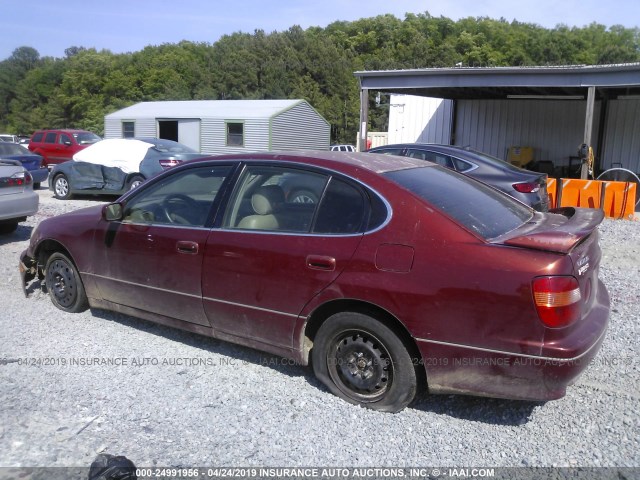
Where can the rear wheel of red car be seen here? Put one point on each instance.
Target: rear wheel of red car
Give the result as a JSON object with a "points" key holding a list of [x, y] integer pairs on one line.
{"points": [[364, 362], [61, 188], [64, 284]]}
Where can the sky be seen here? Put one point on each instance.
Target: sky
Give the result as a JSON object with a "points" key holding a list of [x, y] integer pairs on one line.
{"points": [[129, 25]]}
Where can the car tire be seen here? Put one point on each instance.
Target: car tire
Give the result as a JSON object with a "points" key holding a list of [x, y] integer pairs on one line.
{"points": [[64, 284], [61, 187], [135, 181], [364, 362], [8, 227], [303, 196]]}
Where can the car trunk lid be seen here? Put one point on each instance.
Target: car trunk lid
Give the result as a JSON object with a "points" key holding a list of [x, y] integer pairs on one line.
{"points": [[559, 231], [569, 231]]}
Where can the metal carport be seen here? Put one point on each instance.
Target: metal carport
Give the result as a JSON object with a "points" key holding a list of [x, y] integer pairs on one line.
{"points": [[589, 84]]}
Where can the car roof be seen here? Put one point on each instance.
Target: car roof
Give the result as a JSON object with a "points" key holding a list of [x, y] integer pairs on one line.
{"points": [[346, 162], [64, 130]]}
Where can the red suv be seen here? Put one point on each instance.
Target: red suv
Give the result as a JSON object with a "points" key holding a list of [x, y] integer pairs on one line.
{"points": [[57, 146]]}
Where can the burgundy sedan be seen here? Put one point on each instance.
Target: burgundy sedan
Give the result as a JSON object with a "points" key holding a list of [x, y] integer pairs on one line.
{"points": [[399, 274]]}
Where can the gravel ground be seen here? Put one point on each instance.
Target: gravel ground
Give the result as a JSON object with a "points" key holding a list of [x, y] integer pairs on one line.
{"points": [[245, 408]]}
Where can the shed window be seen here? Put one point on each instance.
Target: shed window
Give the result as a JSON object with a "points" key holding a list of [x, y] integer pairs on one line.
{"points": [[128, 129], [235, 134]]}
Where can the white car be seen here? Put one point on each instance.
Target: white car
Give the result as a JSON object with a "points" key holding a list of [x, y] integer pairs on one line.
{"points": [[343, 148], [17, 198], [5, 137]]}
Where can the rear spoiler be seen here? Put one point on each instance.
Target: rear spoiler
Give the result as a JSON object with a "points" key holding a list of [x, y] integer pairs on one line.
{"points": [[559, 231]]}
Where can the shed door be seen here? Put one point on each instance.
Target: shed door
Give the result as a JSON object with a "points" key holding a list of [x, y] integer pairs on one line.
{"points": [[189, 133]]}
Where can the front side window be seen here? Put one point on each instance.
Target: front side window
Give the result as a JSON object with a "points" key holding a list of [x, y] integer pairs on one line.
{"points": [[183, 199], [235, 134], [64, 139]]}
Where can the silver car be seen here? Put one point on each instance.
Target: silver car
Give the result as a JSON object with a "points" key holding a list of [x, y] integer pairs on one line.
{"points": [[17, 198]]}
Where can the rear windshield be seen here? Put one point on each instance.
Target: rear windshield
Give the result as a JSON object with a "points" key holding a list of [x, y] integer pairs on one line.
{"points": [[480, 208], [13, 149], [171, 147]]}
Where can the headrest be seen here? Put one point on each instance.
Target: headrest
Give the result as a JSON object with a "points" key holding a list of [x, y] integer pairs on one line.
{"points": [[266, 199]]}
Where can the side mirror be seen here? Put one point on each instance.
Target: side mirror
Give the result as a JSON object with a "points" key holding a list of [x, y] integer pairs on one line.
{"points": [[112, 212]]}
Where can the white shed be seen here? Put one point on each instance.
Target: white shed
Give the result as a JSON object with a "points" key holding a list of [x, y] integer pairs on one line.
{"points": [[225, 126]]}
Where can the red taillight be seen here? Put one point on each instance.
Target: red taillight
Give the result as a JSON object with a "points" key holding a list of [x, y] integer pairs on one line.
{"points": [[17, 180], [166, 164], [557, 300], [526, 187]]}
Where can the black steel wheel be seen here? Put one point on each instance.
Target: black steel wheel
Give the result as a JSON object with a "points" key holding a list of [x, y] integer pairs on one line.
{"points": [[65, 285], [364, 362]]}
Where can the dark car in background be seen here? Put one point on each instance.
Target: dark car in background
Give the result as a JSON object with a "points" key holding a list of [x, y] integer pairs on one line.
{"points": [[387, 283], [114, 166], [31, 161], [58, 146], [524, 185]]}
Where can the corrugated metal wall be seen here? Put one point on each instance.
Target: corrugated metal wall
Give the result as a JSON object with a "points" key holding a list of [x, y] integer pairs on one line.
{"points": [[554, 128], [112, 128], [622, 135], [300, 128], [144, 127], [213, 136], [419, 119]]}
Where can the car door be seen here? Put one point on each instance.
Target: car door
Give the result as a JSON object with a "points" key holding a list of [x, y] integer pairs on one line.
{"points": [[152, 259], [271, 254]]}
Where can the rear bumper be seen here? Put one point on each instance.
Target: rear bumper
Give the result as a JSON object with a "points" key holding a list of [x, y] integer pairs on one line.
{"points": [[40, 175], [464, 369], [19, 205]]}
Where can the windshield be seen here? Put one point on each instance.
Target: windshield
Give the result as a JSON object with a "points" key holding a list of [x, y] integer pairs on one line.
{"points": [[86, 138], [480, 208]]}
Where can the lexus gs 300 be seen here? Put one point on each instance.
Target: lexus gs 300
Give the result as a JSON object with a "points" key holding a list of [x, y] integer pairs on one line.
{"points": [[400, 274]]}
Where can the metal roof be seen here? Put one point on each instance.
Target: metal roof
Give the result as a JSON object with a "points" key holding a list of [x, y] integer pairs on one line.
{"points": [[611, 81], [222, 109]]}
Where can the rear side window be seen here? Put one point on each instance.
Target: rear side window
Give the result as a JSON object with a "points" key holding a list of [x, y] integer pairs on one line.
{"points": [[38, 137], [478, 207], [341, 210], [50, 137], [461, 165]]}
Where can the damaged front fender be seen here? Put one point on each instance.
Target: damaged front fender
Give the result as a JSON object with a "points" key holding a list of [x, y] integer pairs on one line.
{"points": [[28, 271]]}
